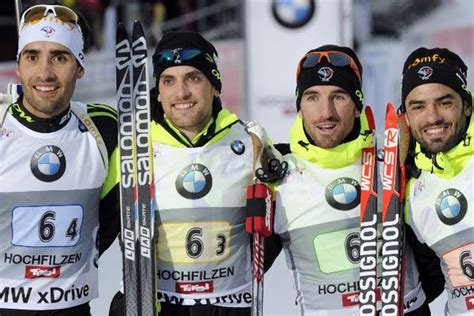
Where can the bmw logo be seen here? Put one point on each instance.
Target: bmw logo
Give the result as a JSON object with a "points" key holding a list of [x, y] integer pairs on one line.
{"points": [[343, 194], [451, 206], [293, 13], [194, 181], [48, 163], [237, 147]]}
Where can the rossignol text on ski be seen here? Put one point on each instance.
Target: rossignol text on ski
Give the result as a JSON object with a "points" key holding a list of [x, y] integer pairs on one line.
{"points": [[368, 224], [392, 219]]}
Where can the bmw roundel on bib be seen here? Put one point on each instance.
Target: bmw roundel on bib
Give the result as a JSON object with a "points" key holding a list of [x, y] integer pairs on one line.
{"points": [[194, 181], [48, 163], [343, 194], [451, 206]]}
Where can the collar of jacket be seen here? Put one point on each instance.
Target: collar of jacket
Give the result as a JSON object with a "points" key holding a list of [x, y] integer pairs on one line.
{"points": [[35, 123], [182, 136], [340, 156], [224, 120], [450, 163]]}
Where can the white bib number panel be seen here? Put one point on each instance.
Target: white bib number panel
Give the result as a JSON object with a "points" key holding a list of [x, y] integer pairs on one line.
{"points": [[47, 225]]}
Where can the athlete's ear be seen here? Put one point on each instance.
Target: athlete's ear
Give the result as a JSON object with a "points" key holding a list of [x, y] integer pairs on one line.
{"points": [[406, 119], [467, 109], [17, 70], [215, 92], [80, 72], [356, 113], [159, 98]]}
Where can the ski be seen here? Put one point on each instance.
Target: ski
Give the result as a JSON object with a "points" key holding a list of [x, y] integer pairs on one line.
{"points": [[126, 143], [144, 186], [136, 172], [392, 219], [368, 224]]}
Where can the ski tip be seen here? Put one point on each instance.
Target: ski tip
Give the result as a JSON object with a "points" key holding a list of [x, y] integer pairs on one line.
{"points": [[369, 114], [121, 31], [390, 107], [137, 25]]}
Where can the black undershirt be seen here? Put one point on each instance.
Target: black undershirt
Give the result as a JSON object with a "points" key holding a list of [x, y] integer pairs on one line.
{"points": [[38, 124]]}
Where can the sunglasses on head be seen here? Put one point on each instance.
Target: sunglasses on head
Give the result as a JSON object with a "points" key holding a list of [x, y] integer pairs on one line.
{"points": [[335, 58], [168, 57], [35, 13]]}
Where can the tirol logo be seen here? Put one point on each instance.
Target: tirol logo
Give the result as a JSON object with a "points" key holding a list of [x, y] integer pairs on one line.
{"points": [[425, 72], [48, 31], [194, 287], [33, 272], [293, 13], [237, 147], [48, 163], [343, 194], [194, 181], [350, 299], [470, 302], [451, 206], [325, 73]]}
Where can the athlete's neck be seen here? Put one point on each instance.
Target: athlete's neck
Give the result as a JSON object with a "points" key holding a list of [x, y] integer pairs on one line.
{"points": [[38, 124]]}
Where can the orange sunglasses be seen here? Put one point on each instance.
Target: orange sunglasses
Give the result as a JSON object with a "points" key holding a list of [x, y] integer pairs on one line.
{"points": [[335, 58]]}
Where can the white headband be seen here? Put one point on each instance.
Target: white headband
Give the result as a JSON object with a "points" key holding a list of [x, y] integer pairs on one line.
{"points": [[52, 29]]}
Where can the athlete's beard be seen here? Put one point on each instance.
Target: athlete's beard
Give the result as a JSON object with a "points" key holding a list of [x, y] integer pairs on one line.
{"points": [[452, 141]]}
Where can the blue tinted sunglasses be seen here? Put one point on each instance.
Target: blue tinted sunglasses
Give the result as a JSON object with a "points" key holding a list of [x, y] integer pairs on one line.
{"points": [[168, 57]]}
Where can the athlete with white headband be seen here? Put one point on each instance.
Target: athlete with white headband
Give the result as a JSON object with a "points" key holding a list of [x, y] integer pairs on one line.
{"points": [[44, 23], [59, 207]]}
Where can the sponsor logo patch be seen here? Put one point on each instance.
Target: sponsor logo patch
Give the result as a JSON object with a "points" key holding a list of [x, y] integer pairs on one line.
{"points": [[470, 302], [194, 181], [451, 206], [343, 194], [48, 31], [33, 272], [325, 73], [48, 163], [238, 147], [350, 299], [195, 287]]}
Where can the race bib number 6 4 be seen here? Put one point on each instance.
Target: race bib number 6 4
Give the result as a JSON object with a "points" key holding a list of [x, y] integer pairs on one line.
{"points": [[47, 225]]}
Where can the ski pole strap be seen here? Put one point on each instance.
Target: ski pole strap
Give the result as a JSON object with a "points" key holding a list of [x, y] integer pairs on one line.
{"points": [[85, 119], [259, 210]]}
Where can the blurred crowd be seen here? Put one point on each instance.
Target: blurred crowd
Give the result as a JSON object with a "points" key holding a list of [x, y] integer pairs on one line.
{"points": [[152, 13]]}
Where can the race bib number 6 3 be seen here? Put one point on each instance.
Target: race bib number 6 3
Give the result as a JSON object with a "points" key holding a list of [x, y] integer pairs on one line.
{"points": [[194, 242]]}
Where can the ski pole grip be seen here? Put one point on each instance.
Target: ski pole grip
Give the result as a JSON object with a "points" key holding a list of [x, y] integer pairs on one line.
{"points": [[259, 210]]}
